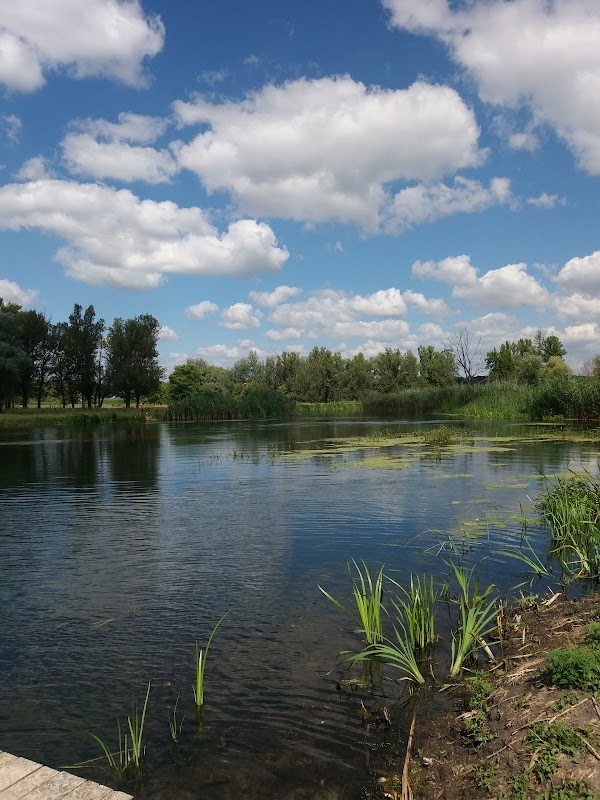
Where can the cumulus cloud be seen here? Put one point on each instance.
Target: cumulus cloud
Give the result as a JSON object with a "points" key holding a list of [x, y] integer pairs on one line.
{"points": [[510, 286], [533, 53], [34, 169], [113, 237], [11, 292], [526, 140], [426, 202], [274, 298], [577, 305], [324, 149], [240, 316], [545, 200], [581, 274], [167, 334], [285, 333], [588, 333], [223, 355], [433, 306], [200, 310], [118, 150], [110, 38]]}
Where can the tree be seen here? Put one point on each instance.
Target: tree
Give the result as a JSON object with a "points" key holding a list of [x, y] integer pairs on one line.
{"points": [[319, 376], [83, 339], [35, 341], [555, 367], [394, 370], [466, 349], [132, 357], [356, 379], [13, 358], [194, 377], [437, 367]]}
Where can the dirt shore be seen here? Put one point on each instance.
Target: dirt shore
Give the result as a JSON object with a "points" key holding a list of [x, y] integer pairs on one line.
{"points": [[493, 743]]}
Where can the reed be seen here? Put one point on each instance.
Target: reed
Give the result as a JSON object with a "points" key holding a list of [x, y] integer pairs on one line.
{"points": [[201, 657], [368, 599], [397, 653], [130, 744], [476, 620], [175, 724], [416, 610]]}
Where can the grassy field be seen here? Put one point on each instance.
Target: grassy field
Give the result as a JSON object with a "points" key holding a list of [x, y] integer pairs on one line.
{"points": [[40, 417]]}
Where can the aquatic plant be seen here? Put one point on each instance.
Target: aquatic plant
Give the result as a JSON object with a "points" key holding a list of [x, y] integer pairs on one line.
{"points": [[398, 653], [368, 596], [175, 724], [476, 620], [130, 744], [439, 436], [416, 610], [201, 656], [571, 507], [531, 559]]}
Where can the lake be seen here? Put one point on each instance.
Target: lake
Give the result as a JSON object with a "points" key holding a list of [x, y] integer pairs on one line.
{"points": [[120, 547]]}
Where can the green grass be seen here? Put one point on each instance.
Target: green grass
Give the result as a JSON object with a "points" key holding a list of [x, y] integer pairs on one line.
{"points": [[35, 418], [200, 663], [415, 610], [476, 620], [336, 407], [130, 749], [575, 668], [209, 405], [367, 592]]}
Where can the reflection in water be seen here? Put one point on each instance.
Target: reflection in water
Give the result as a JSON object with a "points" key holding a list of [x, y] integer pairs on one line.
{"points": [[119, 548]]}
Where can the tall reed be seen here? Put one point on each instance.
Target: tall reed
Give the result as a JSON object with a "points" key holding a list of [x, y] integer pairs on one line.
{"points": [[368, 599], [201, 657], [416, 610], [476, 618]]}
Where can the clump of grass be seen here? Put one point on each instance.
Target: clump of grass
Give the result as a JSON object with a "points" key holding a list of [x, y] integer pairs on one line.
{"points": [[201, 657], [548, 740], [439, 436], [416, 609], [571, 506], [397, 653], [368, 599], [571, 789], [592, 635], [127, 756], [575, 668], [476, 621]]}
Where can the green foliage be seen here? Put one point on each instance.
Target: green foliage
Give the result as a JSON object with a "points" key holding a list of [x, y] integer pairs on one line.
{"points": [[484, 775], [132, 357], [569, 790], [576, 668], [476, 730], [201, 657], [519, 787], [368, 595], [416, 611], [592, 635], [476, 621], [397, 653], [214, 404], [479, 687], [548, 740], [127, 756], [439, 436]]}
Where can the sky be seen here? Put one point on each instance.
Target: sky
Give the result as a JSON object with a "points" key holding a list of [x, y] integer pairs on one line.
{"points": [[277, 175]]}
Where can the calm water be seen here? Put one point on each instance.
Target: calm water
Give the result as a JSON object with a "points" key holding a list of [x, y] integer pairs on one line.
{"points": [[120, 548]]}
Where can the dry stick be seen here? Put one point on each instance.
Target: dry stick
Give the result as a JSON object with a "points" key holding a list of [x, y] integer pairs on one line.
{"points": [[502, 749], [550, 719], [589, 747], [596, 706], [552, 599], [406, 790]]}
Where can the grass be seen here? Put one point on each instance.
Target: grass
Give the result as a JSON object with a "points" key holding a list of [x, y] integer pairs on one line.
{"points": [[416, 610], [35, 417], [397, 653], [336, 407], [439, 436], [368, 599], [575, 668], [201, 657], [130, 745], [547, 741], [477, 619], [571, 507], [175, 724], [214, 404]]}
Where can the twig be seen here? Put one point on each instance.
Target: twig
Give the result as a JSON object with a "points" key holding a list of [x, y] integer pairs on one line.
{"points": [[549, 719], [552, 599], [502, 749], [566, 711], [406, 790], [593, 699], [589, 747]]}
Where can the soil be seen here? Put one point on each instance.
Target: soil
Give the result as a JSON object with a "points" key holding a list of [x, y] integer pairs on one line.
{"points": [[446, 764]]}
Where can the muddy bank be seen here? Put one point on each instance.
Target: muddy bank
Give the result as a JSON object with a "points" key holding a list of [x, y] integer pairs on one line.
{"points": [[507, 733]]}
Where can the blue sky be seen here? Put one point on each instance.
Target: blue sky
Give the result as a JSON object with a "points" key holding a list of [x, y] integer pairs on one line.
{"points": [[278, 175]]}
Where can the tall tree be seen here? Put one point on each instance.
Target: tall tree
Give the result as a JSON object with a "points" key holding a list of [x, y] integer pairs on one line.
{"points": [[83, 340], [466, 348], [132, 357], [35, 339], [437, 367], [13, 358]]}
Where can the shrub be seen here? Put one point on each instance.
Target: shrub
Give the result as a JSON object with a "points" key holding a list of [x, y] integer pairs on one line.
{"points": [[577, 668]]}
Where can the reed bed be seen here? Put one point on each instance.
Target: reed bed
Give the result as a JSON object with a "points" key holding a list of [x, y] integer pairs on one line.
{"points": [[213, 405]]}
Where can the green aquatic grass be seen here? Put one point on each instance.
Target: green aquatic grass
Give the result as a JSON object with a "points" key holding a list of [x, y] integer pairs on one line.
{"points": [[367, 591], [128, 754], [415, 610], [476, 620], [397, 653], [200, 663], [175, 724]]}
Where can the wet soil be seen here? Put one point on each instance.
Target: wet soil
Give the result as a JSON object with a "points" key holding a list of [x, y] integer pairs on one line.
{"points": [[447, 764]]}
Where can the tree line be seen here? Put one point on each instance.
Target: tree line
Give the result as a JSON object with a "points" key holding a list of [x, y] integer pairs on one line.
{"points": [[325, 376], [78, 361]]}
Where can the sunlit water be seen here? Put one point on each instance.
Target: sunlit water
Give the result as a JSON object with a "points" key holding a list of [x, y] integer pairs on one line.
{"points": [[119, 548]]}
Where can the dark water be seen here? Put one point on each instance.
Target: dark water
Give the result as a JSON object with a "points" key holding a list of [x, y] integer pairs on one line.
{"points": [[120, 548]]}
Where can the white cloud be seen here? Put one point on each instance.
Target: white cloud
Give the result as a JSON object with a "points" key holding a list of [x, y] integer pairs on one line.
{"points": [[578, 305], [274, 298], [426, 202], [588, 333], [286, 333], [167, 334], [545, 200], [252, 61], [510, 286], [338, 247], [264, 149], [113, 237], [581, 274], [34, 169], [240, 316], [525, 140], [200, 310], [84, 155], [223, 355], [434, 306], [11, 292], [12, 127], [111, 38], [103, 149], [213, 76], [543, 55]]}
